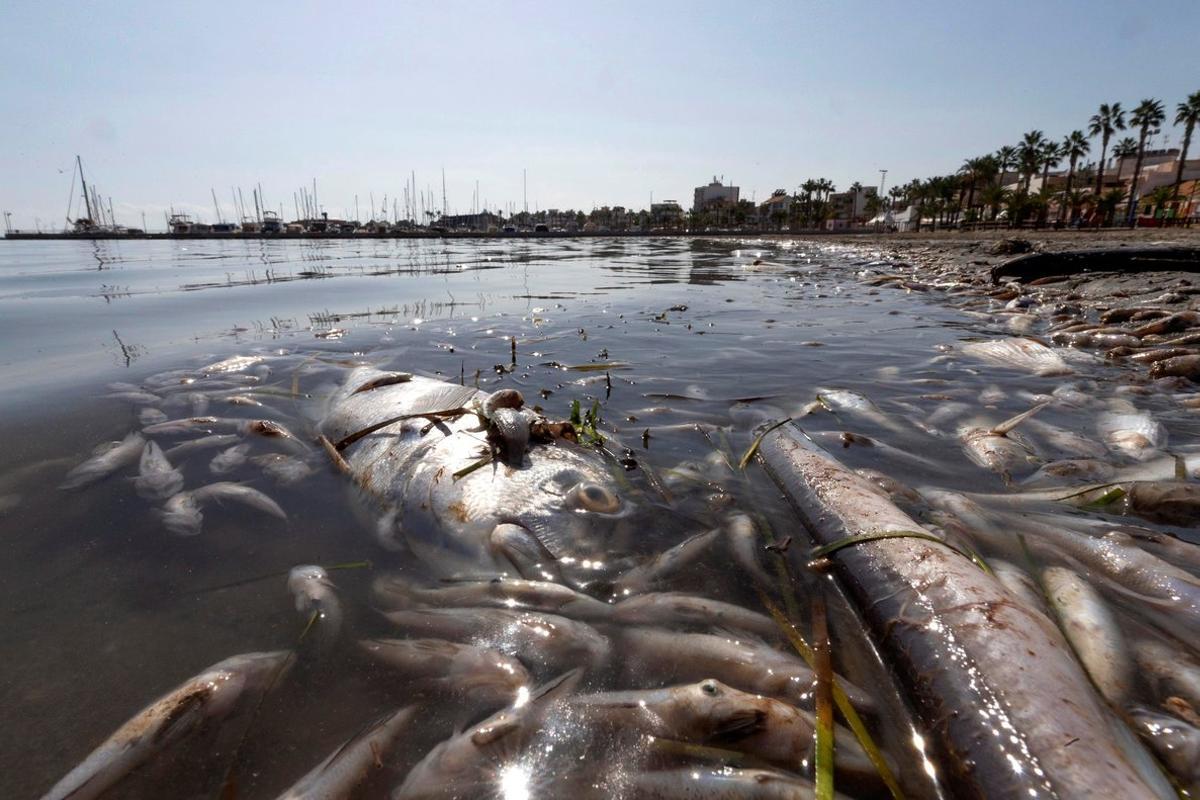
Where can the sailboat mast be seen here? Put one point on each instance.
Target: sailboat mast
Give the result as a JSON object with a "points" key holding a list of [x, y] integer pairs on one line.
{"points": [[86, 198]]}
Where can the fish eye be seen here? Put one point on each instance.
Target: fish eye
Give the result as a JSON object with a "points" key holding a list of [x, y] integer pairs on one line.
{"points": [[592, 497], [709, 687]]}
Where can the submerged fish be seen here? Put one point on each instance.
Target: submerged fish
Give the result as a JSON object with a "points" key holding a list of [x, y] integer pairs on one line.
{"points": [[394, 592], [1019, 353], [709, 712], [181, 513], [1093, 632], [349, 765], [106, 459], [714, 783], [316, 598], [208, 697], [470, 763], [157, 479], [480, 673], [424, 460]]}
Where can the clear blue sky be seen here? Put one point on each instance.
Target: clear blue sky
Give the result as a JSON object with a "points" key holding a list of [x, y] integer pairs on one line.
{"points": [[604, 103]]}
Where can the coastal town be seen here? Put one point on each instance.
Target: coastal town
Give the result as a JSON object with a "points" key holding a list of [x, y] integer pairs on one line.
{"points": [[1084, 180]]}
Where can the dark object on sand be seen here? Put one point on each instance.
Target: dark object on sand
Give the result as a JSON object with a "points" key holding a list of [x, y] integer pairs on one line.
{"points": [[1125, 259], [1011, 247]]}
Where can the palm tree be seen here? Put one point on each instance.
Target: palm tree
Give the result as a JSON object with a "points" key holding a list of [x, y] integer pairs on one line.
{"points": [[856, 190], [1107, 121], [1122, 150], [993, 197], [1051, 155], [1107, 204], [1075, 147], [1029, 154], [1005, 157], [1160, 197], [1186, 114], [1147, 118]]}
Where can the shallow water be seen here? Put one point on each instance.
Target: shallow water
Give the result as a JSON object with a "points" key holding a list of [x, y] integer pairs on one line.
{"points": [[104, 611]]}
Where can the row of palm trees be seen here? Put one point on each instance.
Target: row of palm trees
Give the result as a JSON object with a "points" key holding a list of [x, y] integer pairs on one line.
{"points": [[982, 179]]}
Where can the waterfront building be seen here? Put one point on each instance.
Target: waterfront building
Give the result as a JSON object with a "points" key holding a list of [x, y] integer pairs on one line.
{"points": [[715, 194], [775, 209], [668, 212]]}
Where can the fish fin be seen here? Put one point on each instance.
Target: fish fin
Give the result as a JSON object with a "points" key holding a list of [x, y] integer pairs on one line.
{"points": [[741, 723], [1004, 427]]}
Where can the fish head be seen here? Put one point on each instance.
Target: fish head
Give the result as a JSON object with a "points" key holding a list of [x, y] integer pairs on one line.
{"points": [[716, 712]]}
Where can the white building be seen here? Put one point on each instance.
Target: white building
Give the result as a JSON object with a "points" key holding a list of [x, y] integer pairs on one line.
{"points": [[714, 194]]}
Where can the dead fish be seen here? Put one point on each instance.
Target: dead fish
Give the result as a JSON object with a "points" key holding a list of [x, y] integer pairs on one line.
{"points": [[1018, 353], [151, 416], [207, 698], [1093, 632], [1063, 442], [1175, 742], [671, 609], [1169, 671], [845, 401], [136, 397], [1019, 583], [717, 783], [182, 516], [465, 764], [995, 449], [546, 640], [709, 712], [1181, 366], [1175, 502], [337, 776], [197, 424], [665, 564], [745, 663], [484, 675], [1161, 354], [1136, 434], [1056, 473], [106, 459], [396, 592], [316, 599], [285, 470], [203, 443], [231, 364], [229, 459], [745, 545], [157, 479]]}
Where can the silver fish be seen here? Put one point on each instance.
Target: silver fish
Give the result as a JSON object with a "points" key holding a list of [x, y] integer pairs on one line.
{"points": [[558, 503], [106, 459], [1092, 631], [712, 783], [229, 459], [336, 777], [547, 641], [395, 592], [665, 564], [203, 443], [1135, 434], [484, 675], [472, 763], [1019, 353], [208, 697], [746, 663], [709, 712], [157, 479], [285, 470], [1176, 743], [1169, 671], [182, 515], [670, 609], [316, 598]]}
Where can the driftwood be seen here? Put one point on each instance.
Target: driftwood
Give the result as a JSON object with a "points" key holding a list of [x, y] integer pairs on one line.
{"points": [[1121, 259]]}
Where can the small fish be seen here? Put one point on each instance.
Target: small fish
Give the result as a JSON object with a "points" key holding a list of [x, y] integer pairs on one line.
{"points": [[1168, 670], [192, 425], [106, 459], [151, 416], [1093, 632], [709, 712], [337, 776], [745, 545], [137, 397], [1136, 434], [670, 609], [205, 699], [460, 766], [203, 443], [484, 675], [232, 364], [316, 599], [548, 641], [665, 564], [395, 592], [1019, 353], [182, 516], [157, 479], [718, 783], [1175, 742], [745, 663], [228, 460], [285, 470]]}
